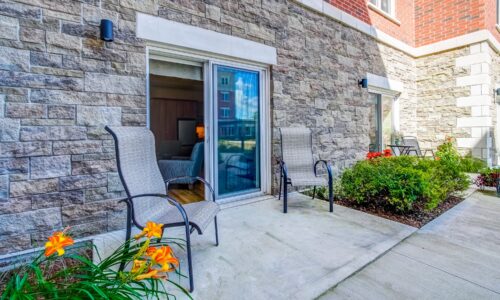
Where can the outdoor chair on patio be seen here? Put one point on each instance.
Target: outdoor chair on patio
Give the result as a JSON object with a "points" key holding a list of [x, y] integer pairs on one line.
{"points": [[415, 147], [146, 191], [297, 166], [187, 168]]}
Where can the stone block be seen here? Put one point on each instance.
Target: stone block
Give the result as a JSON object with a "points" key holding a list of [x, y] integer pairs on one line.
{"points": [[14, 165], [63, 43], [25, 110], [8, 28], [67, 97], [98, 116], [9, 130], [115, 84], [19, 10], [147, 6], [213, 12], [32, 187], [22, 79], [11, 205], [14, 59], [24, 149], [114, 183], [83, 182], [77, 147], [31, 221], [4, 187], [53, 133], [46, 59], [61, 112], [134, 120], [56, 199], [32, 35], [93, 166], [126, 101], [50, 166]]}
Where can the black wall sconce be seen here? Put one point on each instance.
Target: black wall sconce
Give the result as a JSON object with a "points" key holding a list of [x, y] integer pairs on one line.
{"points": [[106, 30], [498, 92], [363, 83]]}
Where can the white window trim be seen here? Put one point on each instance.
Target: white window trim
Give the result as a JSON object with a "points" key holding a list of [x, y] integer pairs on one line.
{"points": [[390, 16]]}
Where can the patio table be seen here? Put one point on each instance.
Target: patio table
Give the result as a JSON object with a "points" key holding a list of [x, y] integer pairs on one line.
{"points": [[402, 149]]}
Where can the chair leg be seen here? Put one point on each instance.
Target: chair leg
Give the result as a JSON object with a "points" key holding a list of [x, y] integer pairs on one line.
{"points": [[190, 263], [281, 181], [314, 192], [216, 232], [330, 194], [285, 196]]}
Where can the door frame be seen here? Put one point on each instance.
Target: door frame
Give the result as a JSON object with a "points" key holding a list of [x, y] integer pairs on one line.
{"points": [[170, 53]]}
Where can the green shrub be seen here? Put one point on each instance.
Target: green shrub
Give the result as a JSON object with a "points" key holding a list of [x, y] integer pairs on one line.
{"points": [[398, 183], [472, 165]]}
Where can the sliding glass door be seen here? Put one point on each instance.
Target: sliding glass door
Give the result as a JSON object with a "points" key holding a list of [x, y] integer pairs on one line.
{"points": [[237, 97]]}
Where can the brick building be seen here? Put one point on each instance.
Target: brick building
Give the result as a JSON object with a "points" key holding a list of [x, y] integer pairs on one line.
{"points": [[432, 68]]}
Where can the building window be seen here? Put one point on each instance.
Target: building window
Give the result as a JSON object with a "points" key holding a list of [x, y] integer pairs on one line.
{"points": [[224, 112], [224, 96], [227, 131], [224, 80], [386, 6]]}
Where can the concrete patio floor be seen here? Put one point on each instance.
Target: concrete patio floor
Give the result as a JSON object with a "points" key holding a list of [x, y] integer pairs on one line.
{"points": [[456, 256], [265, 254]]}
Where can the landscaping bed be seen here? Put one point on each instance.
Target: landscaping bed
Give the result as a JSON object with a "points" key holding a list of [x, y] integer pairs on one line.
{"points": [[407, 189], [417, 217]]}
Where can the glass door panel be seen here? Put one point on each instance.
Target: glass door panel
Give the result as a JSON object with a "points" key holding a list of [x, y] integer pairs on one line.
{"points": [[374, 123], [237, 115]]}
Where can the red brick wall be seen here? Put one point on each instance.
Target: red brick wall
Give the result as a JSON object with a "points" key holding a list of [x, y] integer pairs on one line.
{"points": [[491, 18], [404, 13], [424, 22], [440, 20]]}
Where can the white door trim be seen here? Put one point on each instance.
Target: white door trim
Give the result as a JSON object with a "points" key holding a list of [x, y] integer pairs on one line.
{"points": [[157, 51]]}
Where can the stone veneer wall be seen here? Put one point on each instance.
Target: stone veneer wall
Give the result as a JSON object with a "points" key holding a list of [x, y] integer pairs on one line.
{"points": [[59, 86], [455, 98]]}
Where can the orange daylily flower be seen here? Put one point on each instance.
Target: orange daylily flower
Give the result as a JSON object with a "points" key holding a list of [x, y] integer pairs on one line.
{"points": [[152, 229], [57, 242], [138, 265], [152, 273], [163, 256]]}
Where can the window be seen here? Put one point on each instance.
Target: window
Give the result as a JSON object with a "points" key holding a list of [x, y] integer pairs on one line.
{"points": [[224, 80], [249, 130], [224, 96], [224, 112], [386, 6], [498, 12], [226, 131]]}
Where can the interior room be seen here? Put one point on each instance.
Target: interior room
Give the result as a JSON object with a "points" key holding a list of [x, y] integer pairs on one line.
{"points": [[176, 119]]}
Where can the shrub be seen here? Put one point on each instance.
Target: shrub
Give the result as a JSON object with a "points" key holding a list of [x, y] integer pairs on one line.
{"points": [[472, 165], [487, 177], [398, 183]]}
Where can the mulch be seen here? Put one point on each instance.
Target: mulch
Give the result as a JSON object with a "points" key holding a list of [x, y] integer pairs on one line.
{"points": [[418, 217]]}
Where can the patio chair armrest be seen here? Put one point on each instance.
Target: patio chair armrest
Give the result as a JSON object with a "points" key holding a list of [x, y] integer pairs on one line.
{"points": [[196, 178], [327, 166], [282, 165], [130, 203]]}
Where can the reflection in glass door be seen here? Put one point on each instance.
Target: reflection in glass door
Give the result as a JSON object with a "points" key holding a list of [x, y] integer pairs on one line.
{"points": [[237, 93]]}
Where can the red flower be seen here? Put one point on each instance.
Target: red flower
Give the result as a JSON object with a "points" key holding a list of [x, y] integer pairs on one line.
{"points": [[387, 153]]}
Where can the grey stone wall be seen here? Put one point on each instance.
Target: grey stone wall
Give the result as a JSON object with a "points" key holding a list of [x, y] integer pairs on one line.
{"points": [[60, 84], [437, 110]]}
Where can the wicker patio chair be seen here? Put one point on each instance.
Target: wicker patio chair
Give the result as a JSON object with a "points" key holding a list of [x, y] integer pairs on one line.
{"points": [[146, 191], [297, 166], [415, 147]]}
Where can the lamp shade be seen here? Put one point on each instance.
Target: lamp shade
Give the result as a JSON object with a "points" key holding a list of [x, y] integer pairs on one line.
{"points": [[200, 131], [107, 30]]}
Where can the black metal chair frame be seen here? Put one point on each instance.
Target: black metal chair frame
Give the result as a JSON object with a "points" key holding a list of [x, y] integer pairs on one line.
{"points": [[285, 181], [189, 227]]}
